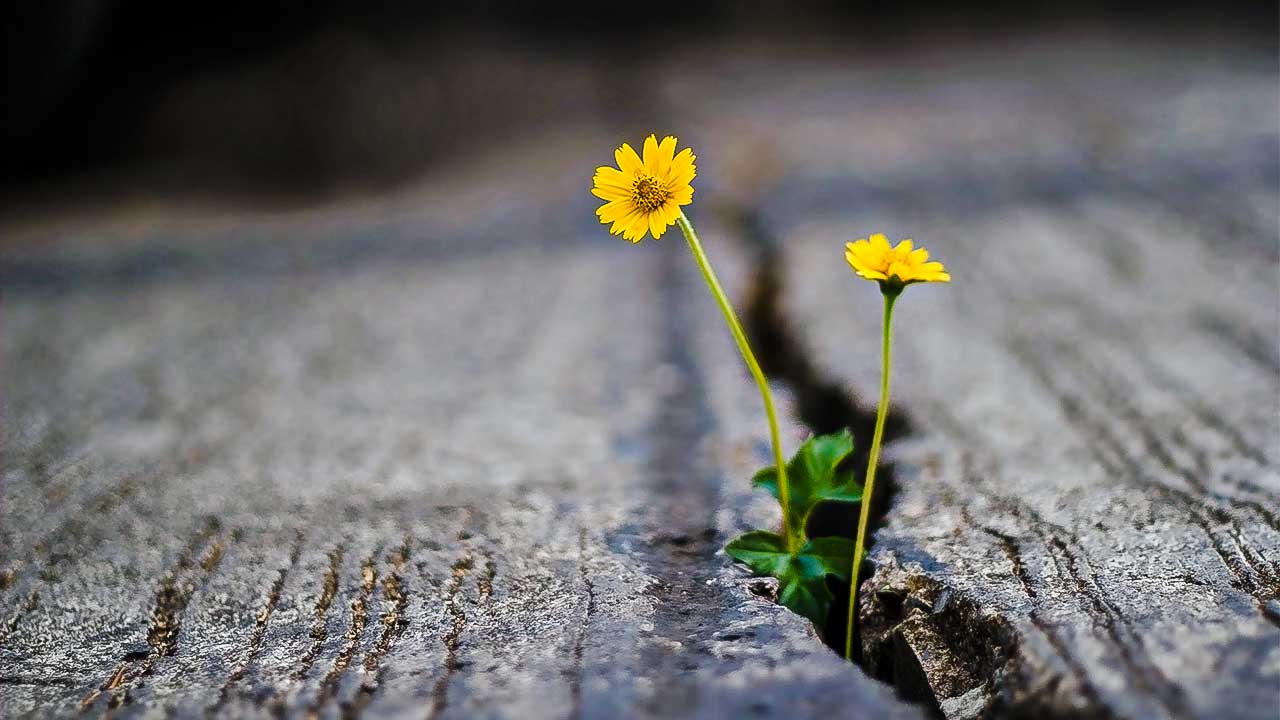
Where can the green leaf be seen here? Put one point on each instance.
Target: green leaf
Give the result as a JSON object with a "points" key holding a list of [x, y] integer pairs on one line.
{"points": [[834, 554], [763, 552], [812, 478], [806, 593], [802, 578]]}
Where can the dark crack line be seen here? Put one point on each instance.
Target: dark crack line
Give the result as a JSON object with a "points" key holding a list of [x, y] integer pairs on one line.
{"points": [[584, 628], [359, 619], [171, 600], [1243, 572], [1131, 649], [1253, 572], [320, 618], [393, 621], [1013, 551], [1113, 397], [1012, 548], [1098, 437], [453, 636], [824, 405], [254, 647]]}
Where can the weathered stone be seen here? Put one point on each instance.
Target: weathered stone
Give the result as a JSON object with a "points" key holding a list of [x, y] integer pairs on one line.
{"points": [[458, 454], [1086, 465], [422, 465]]}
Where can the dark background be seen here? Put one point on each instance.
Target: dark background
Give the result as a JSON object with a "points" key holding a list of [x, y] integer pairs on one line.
{"points": [[299, 99]]}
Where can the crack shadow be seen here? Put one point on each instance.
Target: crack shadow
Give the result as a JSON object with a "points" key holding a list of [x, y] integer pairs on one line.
{"points": [[821, 403]]}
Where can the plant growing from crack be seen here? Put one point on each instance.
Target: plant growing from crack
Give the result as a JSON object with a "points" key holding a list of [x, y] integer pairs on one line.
{"points": [[800, 563], [893, 268], [643, 196]]}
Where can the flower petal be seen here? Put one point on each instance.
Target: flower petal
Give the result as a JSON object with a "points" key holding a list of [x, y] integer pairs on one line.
{"points": [[609, 192], [639, 223], [657, 225], [651, 155], [681, 178], [623, 223], [666, 151], [611, 211], [682, 160], [606, 175], [628, 160]]}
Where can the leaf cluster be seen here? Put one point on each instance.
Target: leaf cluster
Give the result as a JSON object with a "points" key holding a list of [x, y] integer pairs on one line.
{"points": [[813, 476]]}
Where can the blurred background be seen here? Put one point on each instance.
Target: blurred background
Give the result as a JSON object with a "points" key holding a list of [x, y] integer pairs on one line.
{"points": [[108, 101]]}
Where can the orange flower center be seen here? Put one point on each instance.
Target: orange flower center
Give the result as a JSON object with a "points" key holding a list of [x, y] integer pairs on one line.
{"points": [[649, 193]]}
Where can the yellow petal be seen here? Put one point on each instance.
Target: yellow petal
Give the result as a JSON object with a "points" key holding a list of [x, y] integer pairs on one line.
{"points": [[606, 175], [628, 160], [657, 225], [651, 155], [681, 178], [611, 211], [666, 151], [865, 254], [608, 192], [621, 224], [639, 224], [683, 159]]}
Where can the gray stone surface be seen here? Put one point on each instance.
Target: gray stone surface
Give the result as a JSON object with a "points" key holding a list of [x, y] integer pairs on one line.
{"points": [[428, 460], [457, 453], [1085, 519]]}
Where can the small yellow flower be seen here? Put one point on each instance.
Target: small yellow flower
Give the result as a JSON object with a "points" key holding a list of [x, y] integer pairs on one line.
{"points": [[893, 267], [645, 195]]}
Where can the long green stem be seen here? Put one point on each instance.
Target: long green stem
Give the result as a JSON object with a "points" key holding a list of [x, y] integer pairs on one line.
{"points": [[735, 327], [890, 296]]}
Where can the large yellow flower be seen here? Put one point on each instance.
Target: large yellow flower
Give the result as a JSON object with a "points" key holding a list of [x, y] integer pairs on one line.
{"points": [[645, 194], [875, 259]]}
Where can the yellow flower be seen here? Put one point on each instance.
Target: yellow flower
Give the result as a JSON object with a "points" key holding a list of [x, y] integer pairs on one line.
{"points": [[893, 267], [645, 195]]}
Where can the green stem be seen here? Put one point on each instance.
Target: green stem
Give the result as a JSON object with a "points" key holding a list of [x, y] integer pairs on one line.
{"points": [[735, 327], [890, 296]]}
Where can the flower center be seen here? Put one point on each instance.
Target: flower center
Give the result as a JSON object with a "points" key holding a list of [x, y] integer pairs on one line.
{"points": [[649, 193]]}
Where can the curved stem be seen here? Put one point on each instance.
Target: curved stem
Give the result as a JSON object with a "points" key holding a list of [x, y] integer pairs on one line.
{"points": [[735, 327], [890, 296]]}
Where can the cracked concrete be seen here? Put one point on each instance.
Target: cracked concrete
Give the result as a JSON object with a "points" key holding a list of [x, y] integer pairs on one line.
{"points": [[460, 454], [434, 479]]}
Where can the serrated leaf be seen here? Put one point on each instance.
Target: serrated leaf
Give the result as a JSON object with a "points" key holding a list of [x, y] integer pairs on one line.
{"points": [[812, 478]]}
